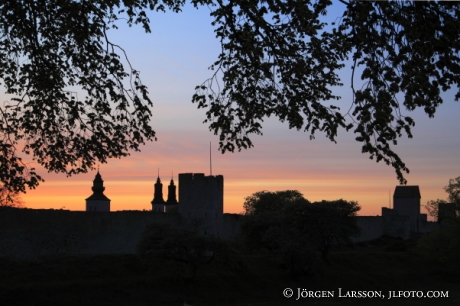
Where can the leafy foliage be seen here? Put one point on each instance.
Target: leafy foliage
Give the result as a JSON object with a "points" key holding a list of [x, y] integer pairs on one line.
{"points": [[47, 49], [453, 190], [297, 230], [442, 246], [300, 259], [278, 58], [453, 199], [10, 199], [404, 49], [324, 223], [163, 241], [432, 207], [267, 201]]}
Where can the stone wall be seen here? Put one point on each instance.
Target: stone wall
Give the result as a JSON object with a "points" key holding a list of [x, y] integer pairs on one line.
{"points": [[28, 233], [397, 226], [371, 228], [231, 226]]}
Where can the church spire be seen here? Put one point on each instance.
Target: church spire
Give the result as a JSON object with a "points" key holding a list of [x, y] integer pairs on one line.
{"points": [[172, 192], [98, 184], [98, 201], [158, 191]]}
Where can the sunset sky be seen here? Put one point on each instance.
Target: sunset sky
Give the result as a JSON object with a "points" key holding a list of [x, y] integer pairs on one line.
{"points": [[173, 59]]}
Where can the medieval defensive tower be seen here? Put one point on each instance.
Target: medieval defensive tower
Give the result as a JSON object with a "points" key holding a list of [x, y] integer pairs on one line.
{"points": [[201, 201], [406, 202], [98, 201]]}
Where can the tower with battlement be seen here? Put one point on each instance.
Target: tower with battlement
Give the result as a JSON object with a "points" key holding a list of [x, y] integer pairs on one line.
{"points": [[406, 202], [201, 202]]}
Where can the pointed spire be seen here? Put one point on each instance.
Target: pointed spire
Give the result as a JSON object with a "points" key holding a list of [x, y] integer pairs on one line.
{"points": [[98, 179], [158, 178], [98, 187], [172, 191], [158, 191], [98, 201]]}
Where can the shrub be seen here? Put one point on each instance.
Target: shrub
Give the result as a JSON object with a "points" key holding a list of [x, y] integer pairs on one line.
{"points": [[301, 260], [163, 241], [396, 246], [442, 245]]}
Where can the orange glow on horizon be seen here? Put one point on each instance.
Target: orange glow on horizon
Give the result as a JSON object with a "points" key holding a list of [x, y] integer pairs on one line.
{"points": [[136, 195]]}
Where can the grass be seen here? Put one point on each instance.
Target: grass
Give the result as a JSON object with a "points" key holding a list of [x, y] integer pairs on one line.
{"points": [[127, 280]]}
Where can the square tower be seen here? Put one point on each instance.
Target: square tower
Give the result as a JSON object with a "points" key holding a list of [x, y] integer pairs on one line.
{"points": [[406, 202], [201, 201]]}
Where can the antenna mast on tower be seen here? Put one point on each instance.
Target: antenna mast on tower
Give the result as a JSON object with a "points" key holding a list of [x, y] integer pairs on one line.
{"points": [[210, 163], [389, 199]]}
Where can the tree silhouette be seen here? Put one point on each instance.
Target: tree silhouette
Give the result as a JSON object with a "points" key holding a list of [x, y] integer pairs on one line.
{"points": [[10, 199], [297, 229], [165, 242], [452, 204], [47, 47], [278, 58]]}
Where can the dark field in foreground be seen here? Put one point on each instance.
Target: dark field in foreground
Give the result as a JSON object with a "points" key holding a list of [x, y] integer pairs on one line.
{"points": [[127, 280]]}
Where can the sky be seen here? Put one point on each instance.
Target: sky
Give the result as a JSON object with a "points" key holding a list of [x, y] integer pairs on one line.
{"points": [[172, 60]]}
